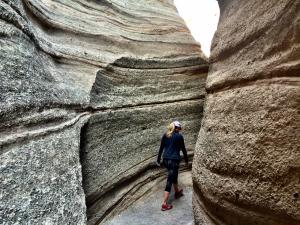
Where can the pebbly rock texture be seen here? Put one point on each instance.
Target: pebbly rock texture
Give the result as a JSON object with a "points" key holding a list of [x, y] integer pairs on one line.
{"points": [[74, 76], [41, 179], [124, 84], [247, 158], [121, 148]]}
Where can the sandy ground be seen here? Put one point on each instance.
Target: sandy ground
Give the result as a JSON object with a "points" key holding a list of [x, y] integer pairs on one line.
{"points": [[147, 210]]}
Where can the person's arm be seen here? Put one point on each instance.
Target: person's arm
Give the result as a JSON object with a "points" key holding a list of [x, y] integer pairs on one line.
{"points": [[183, 149], [162, 145]]}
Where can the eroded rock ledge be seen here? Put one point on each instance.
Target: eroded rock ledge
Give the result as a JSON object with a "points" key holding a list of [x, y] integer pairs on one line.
{"points": [[86, 89], [247, 158]]}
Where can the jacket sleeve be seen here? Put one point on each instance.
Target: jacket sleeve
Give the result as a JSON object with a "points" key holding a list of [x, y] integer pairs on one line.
{"points": [[162, 145], [183, 149]]}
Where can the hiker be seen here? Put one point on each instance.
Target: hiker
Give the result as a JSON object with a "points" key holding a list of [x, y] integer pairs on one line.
{"points": [[171, 144]]}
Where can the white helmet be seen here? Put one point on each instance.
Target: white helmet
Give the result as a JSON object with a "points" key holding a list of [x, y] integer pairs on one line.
{"points": [[177, 124]]}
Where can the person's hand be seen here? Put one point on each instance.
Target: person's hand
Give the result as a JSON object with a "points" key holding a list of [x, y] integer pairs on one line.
{"points": [[157, 163]]}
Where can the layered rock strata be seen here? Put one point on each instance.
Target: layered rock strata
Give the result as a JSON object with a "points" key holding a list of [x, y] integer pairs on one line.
{"points": [[247, 158], [120, 150], [86, 89]]}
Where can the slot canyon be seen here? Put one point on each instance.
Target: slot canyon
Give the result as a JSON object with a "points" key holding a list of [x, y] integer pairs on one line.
{"points": [[88, 87]]}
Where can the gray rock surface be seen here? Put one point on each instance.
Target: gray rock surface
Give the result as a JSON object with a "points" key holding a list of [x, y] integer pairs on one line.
{"points": [[121, 145], [62, 62], [149, 82], [247, 158], [41, 181]]}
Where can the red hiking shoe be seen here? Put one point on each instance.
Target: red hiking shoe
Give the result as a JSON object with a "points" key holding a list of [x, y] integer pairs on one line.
{"points": [[178, 194], [165, 207]]}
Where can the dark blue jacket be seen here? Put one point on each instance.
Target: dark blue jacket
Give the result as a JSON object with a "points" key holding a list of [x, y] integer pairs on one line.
{"points": [[172, 147]]}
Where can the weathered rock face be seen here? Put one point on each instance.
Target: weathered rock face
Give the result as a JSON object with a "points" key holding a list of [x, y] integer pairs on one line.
{"points": [[123, 68], [120, 150], [41, 179], [247, 159]]}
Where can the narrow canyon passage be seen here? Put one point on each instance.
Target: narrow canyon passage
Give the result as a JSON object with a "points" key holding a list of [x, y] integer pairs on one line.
{"points": [[146, 210], [87, 88]]}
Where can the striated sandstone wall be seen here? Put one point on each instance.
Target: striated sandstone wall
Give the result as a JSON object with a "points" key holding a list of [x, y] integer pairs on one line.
{"points": [[247, 158], [41, 179], [120, 150], [86, 90]]}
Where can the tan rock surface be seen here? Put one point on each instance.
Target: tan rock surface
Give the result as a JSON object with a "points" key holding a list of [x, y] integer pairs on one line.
{"points": [[247, 159]]}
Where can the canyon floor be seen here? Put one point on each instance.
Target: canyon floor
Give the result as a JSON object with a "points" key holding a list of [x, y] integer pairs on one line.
{"points": [[147, 210]]}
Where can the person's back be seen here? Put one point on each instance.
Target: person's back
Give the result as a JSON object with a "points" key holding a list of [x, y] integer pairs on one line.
{"points": [[173, 145]]}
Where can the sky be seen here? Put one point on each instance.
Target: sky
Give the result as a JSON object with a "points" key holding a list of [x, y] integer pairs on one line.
{"points": [[201, 17]]}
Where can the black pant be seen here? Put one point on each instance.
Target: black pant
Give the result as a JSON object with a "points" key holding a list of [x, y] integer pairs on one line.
{"points": [[172, 167]]}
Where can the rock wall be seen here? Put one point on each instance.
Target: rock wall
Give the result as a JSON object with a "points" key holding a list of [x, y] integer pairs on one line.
{"points": [[247, 158], [87, 87], [120, 149], [41, 178]]}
